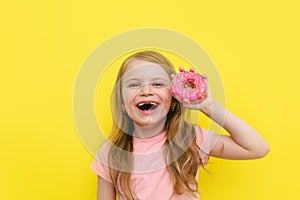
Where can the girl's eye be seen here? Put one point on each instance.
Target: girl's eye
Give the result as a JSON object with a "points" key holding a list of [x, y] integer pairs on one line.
{"points": [[133, 85], [158, 84]]}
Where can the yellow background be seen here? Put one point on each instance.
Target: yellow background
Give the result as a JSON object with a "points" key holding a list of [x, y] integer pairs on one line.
{"points": [[255, 46]]}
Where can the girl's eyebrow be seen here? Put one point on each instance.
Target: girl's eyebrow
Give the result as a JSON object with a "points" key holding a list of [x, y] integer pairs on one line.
{"points": [[161, 79], [151, 79], [131, 79]]}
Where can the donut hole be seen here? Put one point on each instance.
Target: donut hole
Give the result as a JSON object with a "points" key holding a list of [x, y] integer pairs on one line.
{"points": [[190, 83]]}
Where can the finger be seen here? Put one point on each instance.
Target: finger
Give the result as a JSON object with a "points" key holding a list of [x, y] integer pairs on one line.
{"points": [[192, 69], [186, 101], [186, 104], [204, 76], [189, 105]]}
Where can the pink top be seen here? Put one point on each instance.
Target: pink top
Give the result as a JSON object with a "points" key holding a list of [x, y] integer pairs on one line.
{"points": [[150, 177]]}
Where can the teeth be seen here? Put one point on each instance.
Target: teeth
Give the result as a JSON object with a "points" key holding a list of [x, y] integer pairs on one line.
{"points": [[141, 104]]}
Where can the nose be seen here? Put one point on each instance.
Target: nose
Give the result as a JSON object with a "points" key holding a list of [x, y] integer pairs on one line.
{"points": [[146, 90]]}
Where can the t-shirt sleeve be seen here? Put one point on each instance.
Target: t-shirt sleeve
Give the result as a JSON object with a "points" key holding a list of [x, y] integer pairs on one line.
{"points": [[206, 141], [100, 164]]}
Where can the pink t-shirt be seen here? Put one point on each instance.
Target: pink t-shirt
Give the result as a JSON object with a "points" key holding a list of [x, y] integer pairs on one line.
{"points": [[150, 177]]}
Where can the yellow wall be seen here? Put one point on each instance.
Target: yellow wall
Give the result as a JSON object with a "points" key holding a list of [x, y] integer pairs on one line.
{"points": [[255, 46]]}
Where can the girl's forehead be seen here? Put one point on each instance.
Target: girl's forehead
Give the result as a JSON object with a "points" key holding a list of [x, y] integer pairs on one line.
{"points": [[140, 69], [135, 62]]}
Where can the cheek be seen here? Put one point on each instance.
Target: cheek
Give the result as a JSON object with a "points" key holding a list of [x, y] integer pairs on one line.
{"points": [[127, 96], [125, 99], [167, 100]]}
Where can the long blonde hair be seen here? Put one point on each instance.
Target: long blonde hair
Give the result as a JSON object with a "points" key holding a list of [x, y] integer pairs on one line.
{"points": [[182, 152]]}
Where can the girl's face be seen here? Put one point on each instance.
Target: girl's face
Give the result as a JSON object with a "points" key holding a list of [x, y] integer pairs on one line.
{"points": [[145, 93]]}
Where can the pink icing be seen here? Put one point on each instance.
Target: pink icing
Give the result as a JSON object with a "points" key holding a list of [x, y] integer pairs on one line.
{"points": [[188, 85]]}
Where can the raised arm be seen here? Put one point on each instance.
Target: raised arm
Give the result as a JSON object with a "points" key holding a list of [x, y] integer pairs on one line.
{"points": [[243, 143]]}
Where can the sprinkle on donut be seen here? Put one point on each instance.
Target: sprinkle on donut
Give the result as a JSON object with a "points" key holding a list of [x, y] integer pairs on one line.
{"points": [[188, 85]]}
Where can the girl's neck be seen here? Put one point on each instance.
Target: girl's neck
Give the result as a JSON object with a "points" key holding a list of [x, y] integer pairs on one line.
{"points": [[148, 131]]}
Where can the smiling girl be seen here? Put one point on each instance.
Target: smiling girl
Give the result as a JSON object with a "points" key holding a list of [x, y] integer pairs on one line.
{"points": [[153, 151]]}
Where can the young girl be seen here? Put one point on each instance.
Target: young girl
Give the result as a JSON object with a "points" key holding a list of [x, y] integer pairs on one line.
{"points": [[153, 151]]}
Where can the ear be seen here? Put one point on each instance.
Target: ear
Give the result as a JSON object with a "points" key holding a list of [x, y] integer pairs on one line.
{"points": [[173, 105]]}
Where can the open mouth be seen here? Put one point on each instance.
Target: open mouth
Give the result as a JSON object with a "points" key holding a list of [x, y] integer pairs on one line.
{"points": [[147, 106]]}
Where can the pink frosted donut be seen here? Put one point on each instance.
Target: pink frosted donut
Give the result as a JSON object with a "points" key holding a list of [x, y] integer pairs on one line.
{"points": [[188, 85]]}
